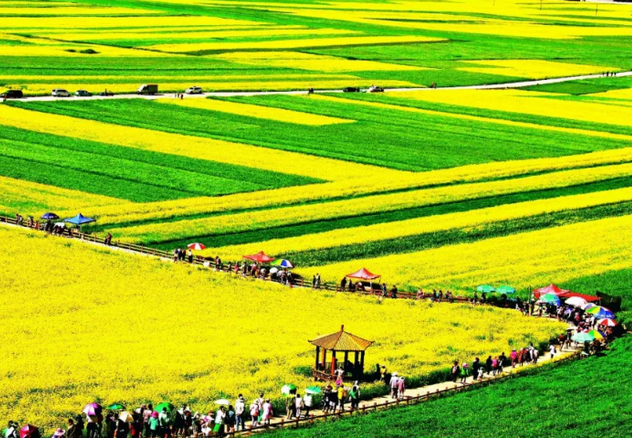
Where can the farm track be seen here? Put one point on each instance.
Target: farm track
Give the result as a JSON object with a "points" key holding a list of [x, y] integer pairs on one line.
{"points": [[518, 84]]}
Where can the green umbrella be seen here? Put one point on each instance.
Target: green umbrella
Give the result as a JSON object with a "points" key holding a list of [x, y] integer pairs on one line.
{"points": [[287, 389], [485, 288], [313, 390], [583, 337], [163, 405], [506, 290], [116, 406]]}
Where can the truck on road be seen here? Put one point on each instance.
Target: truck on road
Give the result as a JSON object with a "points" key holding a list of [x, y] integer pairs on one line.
{"points": [[147, 89]]}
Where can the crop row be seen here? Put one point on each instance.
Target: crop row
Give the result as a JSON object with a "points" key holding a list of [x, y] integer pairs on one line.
{"points": [[253, 220], [527, 259], [426, 225]]}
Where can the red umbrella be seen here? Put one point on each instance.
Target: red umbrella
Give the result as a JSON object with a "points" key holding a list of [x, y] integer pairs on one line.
{"points": [[29, 431], [260, 257], [363, 274], [608, 322], [196, 246]]}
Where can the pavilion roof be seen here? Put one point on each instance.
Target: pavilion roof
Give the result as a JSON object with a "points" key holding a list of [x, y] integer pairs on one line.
{"points": [[341, 341]]}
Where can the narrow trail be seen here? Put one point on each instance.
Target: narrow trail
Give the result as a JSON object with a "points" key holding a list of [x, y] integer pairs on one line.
{"points": [[518, 84]]}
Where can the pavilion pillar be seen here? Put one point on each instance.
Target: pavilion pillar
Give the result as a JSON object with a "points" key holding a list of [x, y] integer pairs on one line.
{"points": [[333, 362], [362, 362], [356, 365], [324, 364], [317, 357], [344, 366]]}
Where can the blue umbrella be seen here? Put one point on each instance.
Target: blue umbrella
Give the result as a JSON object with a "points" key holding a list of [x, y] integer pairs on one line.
{"points": [[49, 216], [283, 263], [551, 298], [79, 220], [601, 312]]}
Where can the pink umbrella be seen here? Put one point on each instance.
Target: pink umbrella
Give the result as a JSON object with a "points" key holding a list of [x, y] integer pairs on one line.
{"points": [[196, 246], [92, 409], [29, 431]]}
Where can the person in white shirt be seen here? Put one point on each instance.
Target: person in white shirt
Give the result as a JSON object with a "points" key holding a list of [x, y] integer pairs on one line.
{"points": [[307, 402], [240, 410], [299, 405]]}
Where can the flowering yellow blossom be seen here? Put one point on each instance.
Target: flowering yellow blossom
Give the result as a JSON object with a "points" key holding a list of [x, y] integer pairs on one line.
{"points": [[532, 68], [73, 11], [184, 35], [25, 197], [190, 335], [354, 187], [258, 111], [535, 258], [252, 220], [121, 22], [461, 220], [295, 43], [185, 145], [528, 102], [312, 62]]}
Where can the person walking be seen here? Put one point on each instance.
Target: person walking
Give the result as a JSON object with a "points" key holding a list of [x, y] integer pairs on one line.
{"points": [[488, 365], [307, 403], [220, 417], [354, 396], [298, 401], [73, 430], [267, 412], [154, 425], [290, 406], [465, 373], [254, 414], [514, 357], [393, 384], [455, 371], [240, 411], [476, 365], [342, 398], [401, 387]]}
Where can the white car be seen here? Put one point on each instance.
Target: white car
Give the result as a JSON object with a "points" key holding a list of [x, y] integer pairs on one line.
{"points": [[58, 92], [193, 90]]}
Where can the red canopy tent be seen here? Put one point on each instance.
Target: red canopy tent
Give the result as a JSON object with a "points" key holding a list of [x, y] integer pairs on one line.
{"points": [[363, 274], [260, 257], [562, 293]]}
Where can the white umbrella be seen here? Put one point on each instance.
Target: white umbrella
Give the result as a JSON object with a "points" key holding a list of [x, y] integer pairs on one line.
{"points": [[222, 402], [576, 302], [126, 417]]}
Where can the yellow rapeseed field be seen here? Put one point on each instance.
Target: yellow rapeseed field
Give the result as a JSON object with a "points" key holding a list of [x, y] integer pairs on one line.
{"points": [[532, 68], [26, 197], [190, 335], [295, 44], [528, 102], [535, 258], [311, 62], [391, 230], [177, 144], [258, 111], [354, 187], [252, 220]]}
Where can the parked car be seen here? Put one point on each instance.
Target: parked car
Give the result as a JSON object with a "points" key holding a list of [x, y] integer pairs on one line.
{"points": [[82, 93], [375, 89], [12, 94], [193, 90], [59, 92], [106, 93], [147, 89], [351, 90]]}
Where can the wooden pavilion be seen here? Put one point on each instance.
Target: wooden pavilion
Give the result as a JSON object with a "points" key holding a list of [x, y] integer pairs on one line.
{"points": [[339, 342]]}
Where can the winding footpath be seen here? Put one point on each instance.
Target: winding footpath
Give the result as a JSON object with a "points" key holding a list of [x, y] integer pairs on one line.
{"points": [[519, 84]]}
